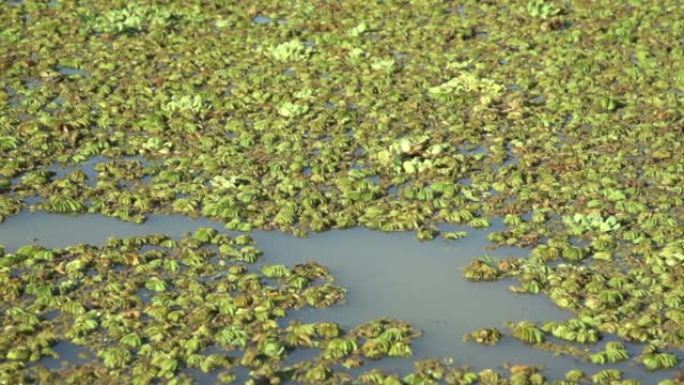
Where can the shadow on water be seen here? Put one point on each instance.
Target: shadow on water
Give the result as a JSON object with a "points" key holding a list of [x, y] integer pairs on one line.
{"points": [[386, 275]]}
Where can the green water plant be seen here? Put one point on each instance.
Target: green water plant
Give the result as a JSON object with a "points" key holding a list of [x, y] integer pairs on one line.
{"points": [[653, 359], [579, 223], [485, 336], [521, 111], [542, 9], [573, 330], [160, 308], [527, 332], [613, 352], [482, 269], [293, 50], [454, 235], [606, 376]]}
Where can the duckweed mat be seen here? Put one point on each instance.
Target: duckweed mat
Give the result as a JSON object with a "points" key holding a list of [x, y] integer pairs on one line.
{"points": [[561, 117]]}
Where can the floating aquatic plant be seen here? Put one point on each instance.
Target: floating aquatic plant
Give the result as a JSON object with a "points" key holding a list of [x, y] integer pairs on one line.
{"points": [[580, 223], [483, 269], [132, 308], [454, 235], [614, 352], [132, 18], [528, 332], [293, 50], [485, 336], [522, 111], [574, 330], [542, 9], [652, 359]]}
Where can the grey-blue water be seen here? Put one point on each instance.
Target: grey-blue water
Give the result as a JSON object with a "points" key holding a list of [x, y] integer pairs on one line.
{"points": [[386, 275]]}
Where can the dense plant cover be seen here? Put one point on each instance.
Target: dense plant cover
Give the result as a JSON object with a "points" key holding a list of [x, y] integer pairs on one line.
{"points": [[562, 117]]}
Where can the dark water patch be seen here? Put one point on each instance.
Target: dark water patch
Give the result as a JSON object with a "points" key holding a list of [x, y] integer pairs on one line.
{"points": [[261, 19], [472, 150], [32, 83], [145, 295], [50, 315], [72, 72], [33, 200], [538, 100], [514, 87], [68, 354], [300, 355]]}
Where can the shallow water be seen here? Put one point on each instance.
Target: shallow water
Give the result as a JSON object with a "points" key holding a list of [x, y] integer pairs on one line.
{"points": [[68, 71], [68, 352], [386, 275], [260, 19], [59, 171]]}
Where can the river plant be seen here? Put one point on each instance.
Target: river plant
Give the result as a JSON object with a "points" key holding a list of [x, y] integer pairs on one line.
{"points": [[561, 117]]}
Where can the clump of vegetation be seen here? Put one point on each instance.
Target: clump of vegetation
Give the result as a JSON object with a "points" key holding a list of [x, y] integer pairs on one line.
{"points": [[614, 352], [573, 330], [653, 359], [528, 332], [158, 303], [483, 269], [484, 336]]}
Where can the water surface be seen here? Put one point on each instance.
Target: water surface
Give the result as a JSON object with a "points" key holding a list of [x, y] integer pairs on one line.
{"points": [[386, 275]]}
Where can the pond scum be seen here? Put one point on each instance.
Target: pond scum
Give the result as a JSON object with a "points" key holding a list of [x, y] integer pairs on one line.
{"points": [[562, 117]]}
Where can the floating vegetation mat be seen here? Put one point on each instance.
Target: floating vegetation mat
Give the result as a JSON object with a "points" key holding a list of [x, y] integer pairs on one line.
{"points": [[562, 117], [153, 309], [146, 308]]}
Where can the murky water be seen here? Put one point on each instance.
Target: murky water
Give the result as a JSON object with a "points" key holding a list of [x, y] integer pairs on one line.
{"points": [[386, 275], [260, 19], [68, 71]]}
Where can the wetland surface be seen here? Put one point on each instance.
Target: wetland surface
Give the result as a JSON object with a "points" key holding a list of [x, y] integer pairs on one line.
{"points": [[385, 274], [498, 185]]}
